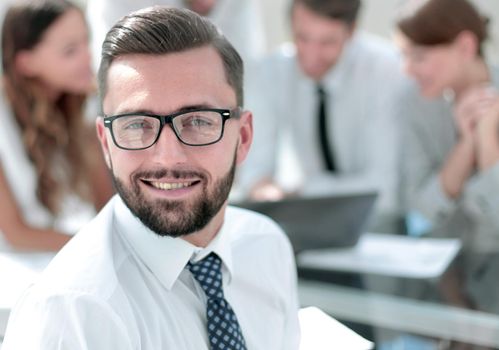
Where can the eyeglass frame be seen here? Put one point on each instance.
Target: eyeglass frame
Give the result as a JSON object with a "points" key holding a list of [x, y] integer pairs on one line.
{"points": [[226, 114]]}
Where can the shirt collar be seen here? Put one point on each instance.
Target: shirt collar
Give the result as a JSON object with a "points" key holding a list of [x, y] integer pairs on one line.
{"points": [[221, 245], [166, 257]]}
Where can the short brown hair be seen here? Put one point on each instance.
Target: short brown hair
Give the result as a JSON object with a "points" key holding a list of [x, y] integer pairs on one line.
{"points": [[343, 10], [161, 30], [436, 22]]}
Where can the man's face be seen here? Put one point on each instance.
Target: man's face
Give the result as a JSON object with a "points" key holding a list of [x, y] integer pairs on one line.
{"points": [[203, 7], [175, 189], [319, 40]]}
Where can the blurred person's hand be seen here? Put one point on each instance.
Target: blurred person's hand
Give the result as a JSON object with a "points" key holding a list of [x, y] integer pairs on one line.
{"points": [[267, 190], [471, 107], [487, 136]]}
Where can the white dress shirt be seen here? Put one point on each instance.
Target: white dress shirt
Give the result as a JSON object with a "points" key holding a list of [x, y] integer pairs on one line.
{"points": [[362, 120], [22, 180], [117, 285], [240, 21]]}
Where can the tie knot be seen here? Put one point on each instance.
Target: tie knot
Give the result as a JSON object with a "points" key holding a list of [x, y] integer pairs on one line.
{"points": [[208, 273]]}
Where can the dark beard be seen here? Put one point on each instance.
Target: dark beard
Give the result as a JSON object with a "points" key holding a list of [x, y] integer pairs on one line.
{"points": [[176, 218]]}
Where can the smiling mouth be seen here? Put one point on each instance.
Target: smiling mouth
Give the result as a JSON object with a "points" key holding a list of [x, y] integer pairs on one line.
{"points": [[168, 186]]}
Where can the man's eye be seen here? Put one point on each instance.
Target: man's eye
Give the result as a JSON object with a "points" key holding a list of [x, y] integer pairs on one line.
{"points": [[69, 50], [198, 122], [137, 125]]}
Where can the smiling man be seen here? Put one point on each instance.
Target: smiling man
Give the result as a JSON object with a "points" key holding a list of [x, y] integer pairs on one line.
{"points": [[167, 264]]}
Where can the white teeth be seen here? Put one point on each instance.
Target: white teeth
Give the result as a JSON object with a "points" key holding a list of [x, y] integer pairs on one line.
{"points": [[170, 185]]}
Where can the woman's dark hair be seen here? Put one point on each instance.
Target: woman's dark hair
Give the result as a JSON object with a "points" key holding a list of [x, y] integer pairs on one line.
{"points": [[436, 22], [162, 30], [52, 131]]}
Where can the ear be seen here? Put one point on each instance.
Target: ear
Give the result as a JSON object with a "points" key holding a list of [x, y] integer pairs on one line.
{"points": [[245, 135], [467, 44], [25, 63], [351, 29], [103, 139]]}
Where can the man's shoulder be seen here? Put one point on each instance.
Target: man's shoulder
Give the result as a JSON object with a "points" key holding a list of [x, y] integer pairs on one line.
{"points": [[371, 54], [279, 61], [256, 236], [88, 263], [376, 45], [249, 220], [246, 225]]}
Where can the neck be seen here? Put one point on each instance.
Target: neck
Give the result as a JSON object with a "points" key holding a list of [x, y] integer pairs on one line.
{"points": [[476, 73], [204, 236]]}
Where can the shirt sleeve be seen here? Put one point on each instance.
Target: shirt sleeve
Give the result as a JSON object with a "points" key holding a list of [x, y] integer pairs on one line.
{"points": [[431, 201], [65, 322], [480, 196], [425, 138]]}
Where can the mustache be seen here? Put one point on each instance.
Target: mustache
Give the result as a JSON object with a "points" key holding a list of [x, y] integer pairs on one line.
{"points": [[171, 173]]}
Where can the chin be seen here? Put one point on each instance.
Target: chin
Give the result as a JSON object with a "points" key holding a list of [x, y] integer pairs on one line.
{"points": [[314, 75], [430, 92]]}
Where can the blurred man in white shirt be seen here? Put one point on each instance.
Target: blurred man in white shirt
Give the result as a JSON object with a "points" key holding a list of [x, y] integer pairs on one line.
{"points": [[358, 75]]}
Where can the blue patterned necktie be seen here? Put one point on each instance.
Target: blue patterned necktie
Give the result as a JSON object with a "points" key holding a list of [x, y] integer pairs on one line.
{"points": [[223, 328]]}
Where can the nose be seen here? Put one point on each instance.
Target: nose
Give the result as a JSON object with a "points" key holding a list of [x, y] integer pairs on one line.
{"points": [[311, 53], [168, 150]]}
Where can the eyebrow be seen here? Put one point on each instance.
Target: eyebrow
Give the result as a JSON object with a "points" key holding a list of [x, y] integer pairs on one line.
{"points": [[149, 111]]}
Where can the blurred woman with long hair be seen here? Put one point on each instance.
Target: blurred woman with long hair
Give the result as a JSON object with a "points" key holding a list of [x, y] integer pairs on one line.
{"points": [[52, 175]]}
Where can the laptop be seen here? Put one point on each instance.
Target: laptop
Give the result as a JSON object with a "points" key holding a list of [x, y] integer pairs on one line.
{"points": [[335, 221]]}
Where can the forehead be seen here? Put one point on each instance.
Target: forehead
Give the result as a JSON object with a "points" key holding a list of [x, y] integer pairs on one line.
{"points": [[409, 48], [167, 83], [69, 26]]}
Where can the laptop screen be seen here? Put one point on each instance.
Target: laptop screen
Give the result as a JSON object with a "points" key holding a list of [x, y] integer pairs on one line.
{"points": [[319, 222]]}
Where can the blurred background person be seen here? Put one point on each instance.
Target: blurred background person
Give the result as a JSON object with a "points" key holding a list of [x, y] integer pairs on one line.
{"points": [[52, 173], [240, 20], [451, 157], [332, 92]]}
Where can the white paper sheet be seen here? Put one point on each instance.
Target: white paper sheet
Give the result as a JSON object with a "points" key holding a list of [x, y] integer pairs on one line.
{"points": [[385, 254], [320, 331]]}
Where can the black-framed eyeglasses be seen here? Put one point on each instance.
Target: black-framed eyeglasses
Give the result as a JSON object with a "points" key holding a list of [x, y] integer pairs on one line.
{"points": [[196, 127]]}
